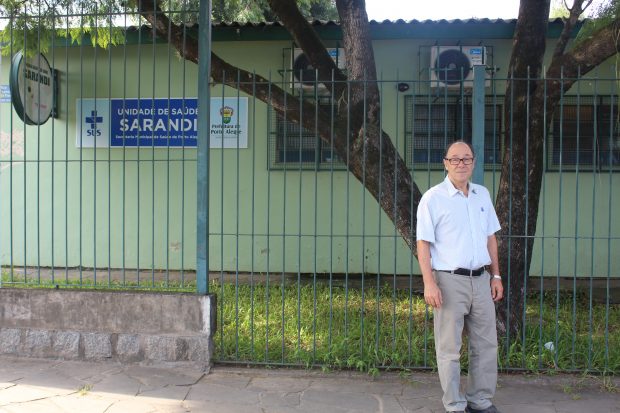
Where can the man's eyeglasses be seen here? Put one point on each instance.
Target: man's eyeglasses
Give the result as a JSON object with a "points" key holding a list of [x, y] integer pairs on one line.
{"points": [[456, 161]]}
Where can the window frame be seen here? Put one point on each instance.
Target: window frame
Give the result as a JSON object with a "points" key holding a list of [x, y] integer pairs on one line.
{"points": [[602, 108], [312, 154], [458, 111]]}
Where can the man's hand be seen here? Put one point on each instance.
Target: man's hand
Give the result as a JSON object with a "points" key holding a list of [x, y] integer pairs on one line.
{"points": [[497, 289], [432, 294]]}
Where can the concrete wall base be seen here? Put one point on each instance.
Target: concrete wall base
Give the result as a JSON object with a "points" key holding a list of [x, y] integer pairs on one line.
{"points": [[95, 325]]}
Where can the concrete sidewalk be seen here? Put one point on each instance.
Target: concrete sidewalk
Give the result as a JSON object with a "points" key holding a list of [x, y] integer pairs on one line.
{"points": [[49, 386]]}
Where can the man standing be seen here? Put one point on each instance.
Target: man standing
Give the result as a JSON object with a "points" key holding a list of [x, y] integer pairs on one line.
{"points": [[456, 243]]}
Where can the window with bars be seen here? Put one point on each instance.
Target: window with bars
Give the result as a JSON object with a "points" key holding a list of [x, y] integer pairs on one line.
{"points": [[585, 134], [432, 122], [292, 146]]}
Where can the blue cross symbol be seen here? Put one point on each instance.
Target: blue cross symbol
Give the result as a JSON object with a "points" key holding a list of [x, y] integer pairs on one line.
{"points": [[93, 119]]}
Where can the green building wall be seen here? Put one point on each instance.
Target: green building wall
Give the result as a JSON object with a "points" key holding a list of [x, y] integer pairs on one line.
{"points": [[63, 206]]}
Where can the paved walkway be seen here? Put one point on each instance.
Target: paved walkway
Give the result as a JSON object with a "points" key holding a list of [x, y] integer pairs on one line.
{"points": [[50, 386]]}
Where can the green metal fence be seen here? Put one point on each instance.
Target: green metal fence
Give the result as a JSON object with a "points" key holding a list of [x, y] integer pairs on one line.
{"points": [[114, 190], [313, 273]]}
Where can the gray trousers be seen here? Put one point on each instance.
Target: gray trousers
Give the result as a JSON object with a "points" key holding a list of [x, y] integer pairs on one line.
{"points": [[467, 303]]}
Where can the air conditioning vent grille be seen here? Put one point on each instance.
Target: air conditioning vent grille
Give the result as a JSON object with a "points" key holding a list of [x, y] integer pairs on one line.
{"points": [[452, 66]]}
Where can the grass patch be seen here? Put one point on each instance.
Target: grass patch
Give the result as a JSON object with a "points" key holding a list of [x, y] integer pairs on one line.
{"points": [[85, 389], [315, 325], [102, 282]]}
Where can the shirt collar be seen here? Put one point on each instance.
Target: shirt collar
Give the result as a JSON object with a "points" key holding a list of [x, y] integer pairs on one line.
{"points": [[452, 190]]}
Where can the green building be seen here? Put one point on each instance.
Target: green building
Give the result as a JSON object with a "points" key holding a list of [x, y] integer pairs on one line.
{"points": [[109, 181]]}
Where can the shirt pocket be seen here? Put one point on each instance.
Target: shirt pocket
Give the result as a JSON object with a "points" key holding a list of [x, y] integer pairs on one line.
{"points": [[483, 220]]}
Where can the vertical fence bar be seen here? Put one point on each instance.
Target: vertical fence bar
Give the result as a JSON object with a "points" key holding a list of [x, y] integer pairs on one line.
{"points": [[124, 168], [363, 252], [138, 151], [595, 166], [38, 162], [347, 220], [237, 206], [511, 79], [66, 164], [153, 96], [526, 236], [299, 222], [612, 106], [542, 237], [331, 216], [478, 114], [168, 160], [183, 173], [559, 231], [26, 165], [395, 233], [253, 217], [109, 163], [283, 235], [379, 228], [202, 155], [80, 189], [95, 91], [314, 246], [220, 196], [268, 212], [576, 234], [11, 232]]}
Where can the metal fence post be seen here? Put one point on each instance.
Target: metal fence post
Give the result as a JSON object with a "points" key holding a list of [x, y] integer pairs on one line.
{"points": [[477, 138], [202, 178]]}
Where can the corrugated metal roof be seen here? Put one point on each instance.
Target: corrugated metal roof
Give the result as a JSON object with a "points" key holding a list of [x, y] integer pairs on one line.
{"points": [[386, 29], [472, 21]]}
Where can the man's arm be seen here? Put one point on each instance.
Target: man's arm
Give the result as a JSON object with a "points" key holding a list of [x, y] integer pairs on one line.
{"points": [[497, 289], [432, 293]]}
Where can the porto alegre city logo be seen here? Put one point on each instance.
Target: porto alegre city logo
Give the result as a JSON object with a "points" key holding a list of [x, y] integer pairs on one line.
{"points": [[227, 113]]}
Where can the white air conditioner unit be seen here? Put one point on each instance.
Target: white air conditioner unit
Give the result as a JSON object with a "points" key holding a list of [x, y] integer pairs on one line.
{"points": [[453, 66], [304, 75]]}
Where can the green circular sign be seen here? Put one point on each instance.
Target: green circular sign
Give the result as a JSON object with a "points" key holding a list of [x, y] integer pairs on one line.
{"points": [[32, 89]]}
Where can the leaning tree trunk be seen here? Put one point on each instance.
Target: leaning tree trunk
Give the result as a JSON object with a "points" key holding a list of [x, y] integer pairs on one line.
{"points": [[355, 131]]}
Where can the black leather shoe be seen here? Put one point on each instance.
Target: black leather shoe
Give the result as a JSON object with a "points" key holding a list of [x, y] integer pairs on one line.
{"points": [[490, 409]]}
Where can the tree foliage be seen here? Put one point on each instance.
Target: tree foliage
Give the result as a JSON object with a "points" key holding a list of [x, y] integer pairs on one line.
{"points": [[33, 25]]}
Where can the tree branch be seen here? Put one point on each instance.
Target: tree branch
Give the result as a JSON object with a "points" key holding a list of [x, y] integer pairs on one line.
{"points": [[569, 24], [580, 60], [307, 39]]}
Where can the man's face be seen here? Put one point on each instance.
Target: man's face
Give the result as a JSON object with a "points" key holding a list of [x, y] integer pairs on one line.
{"points": [[460, 154]]}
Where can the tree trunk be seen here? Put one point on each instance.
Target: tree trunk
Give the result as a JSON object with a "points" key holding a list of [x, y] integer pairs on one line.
{"points": [[529, 107], [519, 185]]}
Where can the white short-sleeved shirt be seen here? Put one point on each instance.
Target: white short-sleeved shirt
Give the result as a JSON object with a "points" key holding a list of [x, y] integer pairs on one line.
{"points": [[457, 226]]}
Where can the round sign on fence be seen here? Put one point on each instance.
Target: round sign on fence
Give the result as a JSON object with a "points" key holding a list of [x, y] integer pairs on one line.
{"points": [[32, 88]]}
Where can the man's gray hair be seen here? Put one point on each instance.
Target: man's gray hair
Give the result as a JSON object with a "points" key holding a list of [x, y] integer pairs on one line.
{"points": [[445, 154]]}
